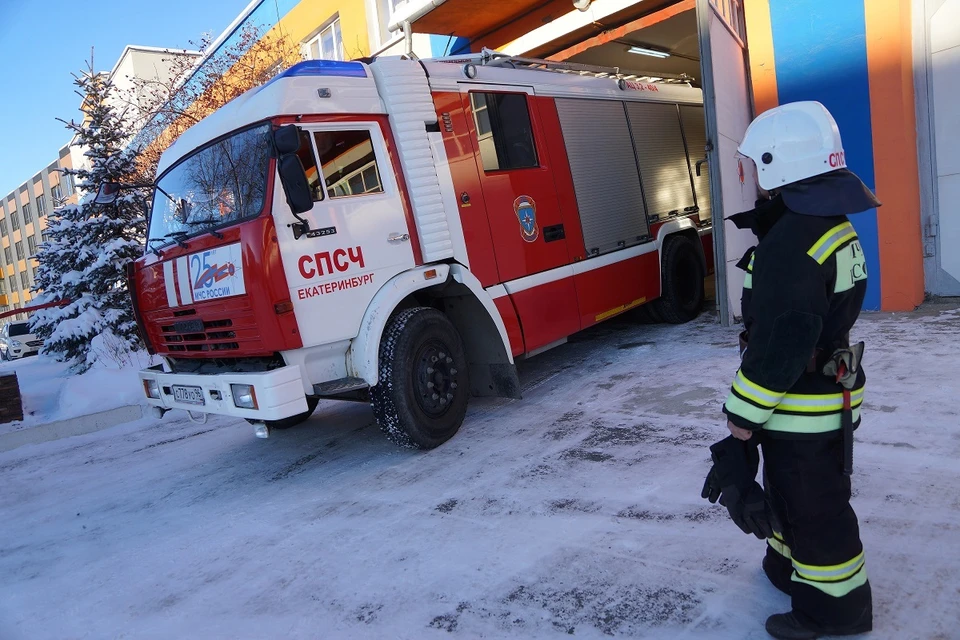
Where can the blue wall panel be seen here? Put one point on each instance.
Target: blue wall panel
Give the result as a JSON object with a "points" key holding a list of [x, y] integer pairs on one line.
{"points": [[820, 48], [448, 46]]}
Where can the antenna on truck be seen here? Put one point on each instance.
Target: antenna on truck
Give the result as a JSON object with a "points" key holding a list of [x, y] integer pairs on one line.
{"points": [[490, 58]]}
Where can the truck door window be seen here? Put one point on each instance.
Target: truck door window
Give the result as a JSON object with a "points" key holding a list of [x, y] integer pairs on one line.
{"points": [[309, 162], [504, 131], [349, 163]]}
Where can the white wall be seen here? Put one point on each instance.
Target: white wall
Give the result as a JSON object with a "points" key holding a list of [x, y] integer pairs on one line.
{"points": [[945, 84]]}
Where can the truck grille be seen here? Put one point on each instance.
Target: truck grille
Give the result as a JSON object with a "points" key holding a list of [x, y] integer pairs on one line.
{"points": [[225, 328], [35, 343], [215, 336]]}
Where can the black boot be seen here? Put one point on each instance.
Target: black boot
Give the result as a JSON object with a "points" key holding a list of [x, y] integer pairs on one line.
{"points": [[786, 626]]}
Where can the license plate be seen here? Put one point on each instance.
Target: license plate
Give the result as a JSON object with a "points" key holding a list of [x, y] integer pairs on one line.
{"points": [[188, 395], [188, 326]]}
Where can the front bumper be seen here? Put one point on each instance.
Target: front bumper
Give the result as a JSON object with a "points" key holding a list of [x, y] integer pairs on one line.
{"points": [[279, 392], [15, 353]]}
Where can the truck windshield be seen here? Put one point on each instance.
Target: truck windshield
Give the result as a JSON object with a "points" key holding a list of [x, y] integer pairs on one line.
{"points": [[216, 186]]}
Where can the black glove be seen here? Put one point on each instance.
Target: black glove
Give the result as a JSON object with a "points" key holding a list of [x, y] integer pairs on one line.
{"points": [[732, 481]]}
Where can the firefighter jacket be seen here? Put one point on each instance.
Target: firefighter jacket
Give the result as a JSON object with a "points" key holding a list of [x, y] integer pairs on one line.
{"points": [[804, 288]]}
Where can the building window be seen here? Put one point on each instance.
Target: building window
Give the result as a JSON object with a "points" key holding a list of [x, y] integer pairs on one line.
{"points": [[504, 131], [19, 251], [3, 287], [14, 220], [386, 9], [32, 245], [68, 185], [8, 255], [44, 236], [25, 280], [3, 226], [349, 163], [41, 207], [57, 194], [326, 45], [27, 214]]}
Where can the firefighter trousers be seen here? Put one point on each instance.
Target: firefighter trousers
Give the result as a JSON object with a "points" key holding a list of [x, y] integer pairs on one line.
{"points": [[816, 555]]}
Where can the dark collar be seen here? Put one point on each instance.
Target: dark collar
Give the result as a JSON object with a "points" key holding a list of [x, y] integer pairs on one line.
{"points": [[837, 193]]}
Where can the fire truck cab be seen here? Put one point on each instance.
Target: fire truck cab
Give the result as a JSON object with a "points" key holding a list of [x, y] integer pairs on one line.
{"points": [[400, 231]]}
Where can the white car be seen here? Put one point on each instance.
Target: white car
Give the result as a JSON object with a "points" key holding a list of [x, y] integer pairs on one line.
{"points": [[17, 341]]}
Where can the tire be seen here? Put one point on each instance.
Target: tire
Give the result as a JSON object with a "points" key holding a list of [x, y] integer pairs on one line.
{"points": [[292, 421], [423, 388], [683, 295]]}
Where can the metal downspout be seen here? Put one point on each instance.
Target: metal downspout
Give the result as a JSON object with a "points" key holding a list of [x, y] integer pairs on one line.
{"points": [[407, 38]]}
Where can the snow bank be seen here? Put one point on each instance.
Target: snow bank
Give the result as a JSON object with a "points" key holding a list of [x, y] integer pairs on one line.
{"points": [[49, 392]]}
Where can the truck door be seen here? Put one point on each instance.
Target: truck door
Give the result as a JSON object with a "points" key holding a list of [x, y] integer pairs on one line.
{"points": [[358, 238], [523, 210]]}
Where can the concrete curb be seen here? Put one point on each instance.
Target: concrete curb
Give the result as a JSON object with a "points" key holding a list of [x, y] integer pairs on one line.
{"points": [[70, 427]]}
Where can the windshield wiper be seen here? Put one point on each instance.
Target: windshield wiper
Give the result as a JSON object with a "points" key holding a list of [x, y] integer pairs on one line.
{"points": [[178, 236], [216, 234], [154, 250]]}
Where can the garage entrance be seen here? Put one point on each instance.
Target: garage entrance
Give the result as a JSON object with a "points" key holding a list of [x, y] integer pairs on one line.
{"points": [[937, 27], [702, 42]]}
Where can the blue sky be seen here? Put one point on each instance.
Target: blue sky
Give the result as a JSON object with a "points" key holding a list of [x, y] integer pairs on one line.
{"points": [[42, 43]]}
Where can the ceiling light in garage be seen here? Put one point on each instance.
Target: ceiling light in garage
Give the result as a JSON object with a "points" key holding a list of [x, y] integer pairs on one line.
{"points": [[648, 52]]}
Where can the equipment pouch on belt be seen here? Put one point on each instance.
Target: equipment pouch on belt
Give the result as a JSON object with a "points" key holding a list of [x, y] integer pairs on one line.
{"points": [[844, 367]]}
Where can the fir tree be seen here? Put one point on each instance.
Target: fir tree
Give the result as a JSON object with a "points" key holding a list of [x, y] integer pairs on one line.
{"points": [[89, 245]]}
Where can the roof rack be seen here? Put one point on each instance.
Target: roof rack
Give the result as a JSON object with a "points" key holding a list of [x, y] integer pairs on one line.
{"points": [[490, 58]]}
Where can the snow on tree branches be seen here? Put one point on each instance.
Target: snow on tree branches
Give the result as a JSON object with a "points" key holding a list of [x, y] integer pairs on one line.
{"points": [[85, 256]]}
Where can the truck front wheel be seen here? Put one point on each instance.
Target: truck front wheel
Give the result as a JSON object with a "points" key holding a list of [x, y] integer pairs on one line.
{"points": [[422, 389]]}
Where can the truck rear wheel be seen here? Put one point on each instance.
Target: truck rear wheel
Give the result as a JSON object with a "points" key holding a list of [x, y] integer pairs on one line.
{"points": [[683, 295], [422, 390], [292, 421]]}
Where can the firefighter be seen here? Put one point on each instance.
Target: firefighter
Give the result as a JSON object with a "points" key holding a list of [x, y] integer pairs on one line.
{"points": [[798, 392]]}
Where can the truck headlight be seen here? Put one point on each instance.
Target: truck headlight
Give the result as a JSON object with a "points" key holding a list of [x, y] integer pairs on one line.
{"points": [[16, 344], [152, 389], [244, 397]]}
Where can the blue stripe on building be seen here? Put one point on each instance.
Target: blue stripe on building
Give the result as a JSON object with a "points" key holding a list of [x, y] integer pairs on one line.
{"points": [[820, 47], [448, 46]]}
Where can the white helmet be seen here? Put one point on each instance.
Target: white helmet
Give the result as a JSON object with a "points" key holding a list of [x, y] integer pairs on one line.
{"points": [[791, 142]]}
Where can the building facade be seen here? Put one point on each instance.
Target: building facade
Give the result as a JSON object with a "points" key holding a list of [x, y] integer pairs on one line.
{"points": [[23, 221]]}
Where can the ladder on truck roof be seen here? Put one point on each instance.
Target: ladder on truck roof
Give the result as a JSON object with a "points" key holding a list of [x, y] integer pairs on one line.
{"points": [[490, 58]]}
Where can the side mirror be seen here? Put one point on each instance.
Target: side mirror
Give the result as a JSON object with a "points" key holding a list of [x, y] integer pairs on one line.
{"points": [[286, 139], [295, 185], [107, 194]]}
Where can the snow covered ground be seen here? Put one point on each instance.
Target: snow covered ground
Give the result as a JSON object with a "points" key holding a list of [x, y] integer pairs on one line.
{"points": [[574, 511], [50, 393]]}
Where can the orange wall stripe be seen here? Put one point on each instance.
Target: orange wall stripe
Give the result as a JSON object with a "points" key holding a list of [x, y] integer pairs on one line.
{"points": [[889, 62], [763, 68]]}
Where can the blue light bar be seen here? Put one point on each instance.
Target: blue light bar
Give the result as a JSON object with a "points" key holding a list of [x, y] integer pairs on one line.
{"points": [[325, 68]]}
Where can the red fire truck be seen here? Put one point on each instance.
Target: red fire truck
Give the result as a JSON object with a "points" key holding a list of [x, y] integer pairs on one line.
{"points": [[400, 231]]}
